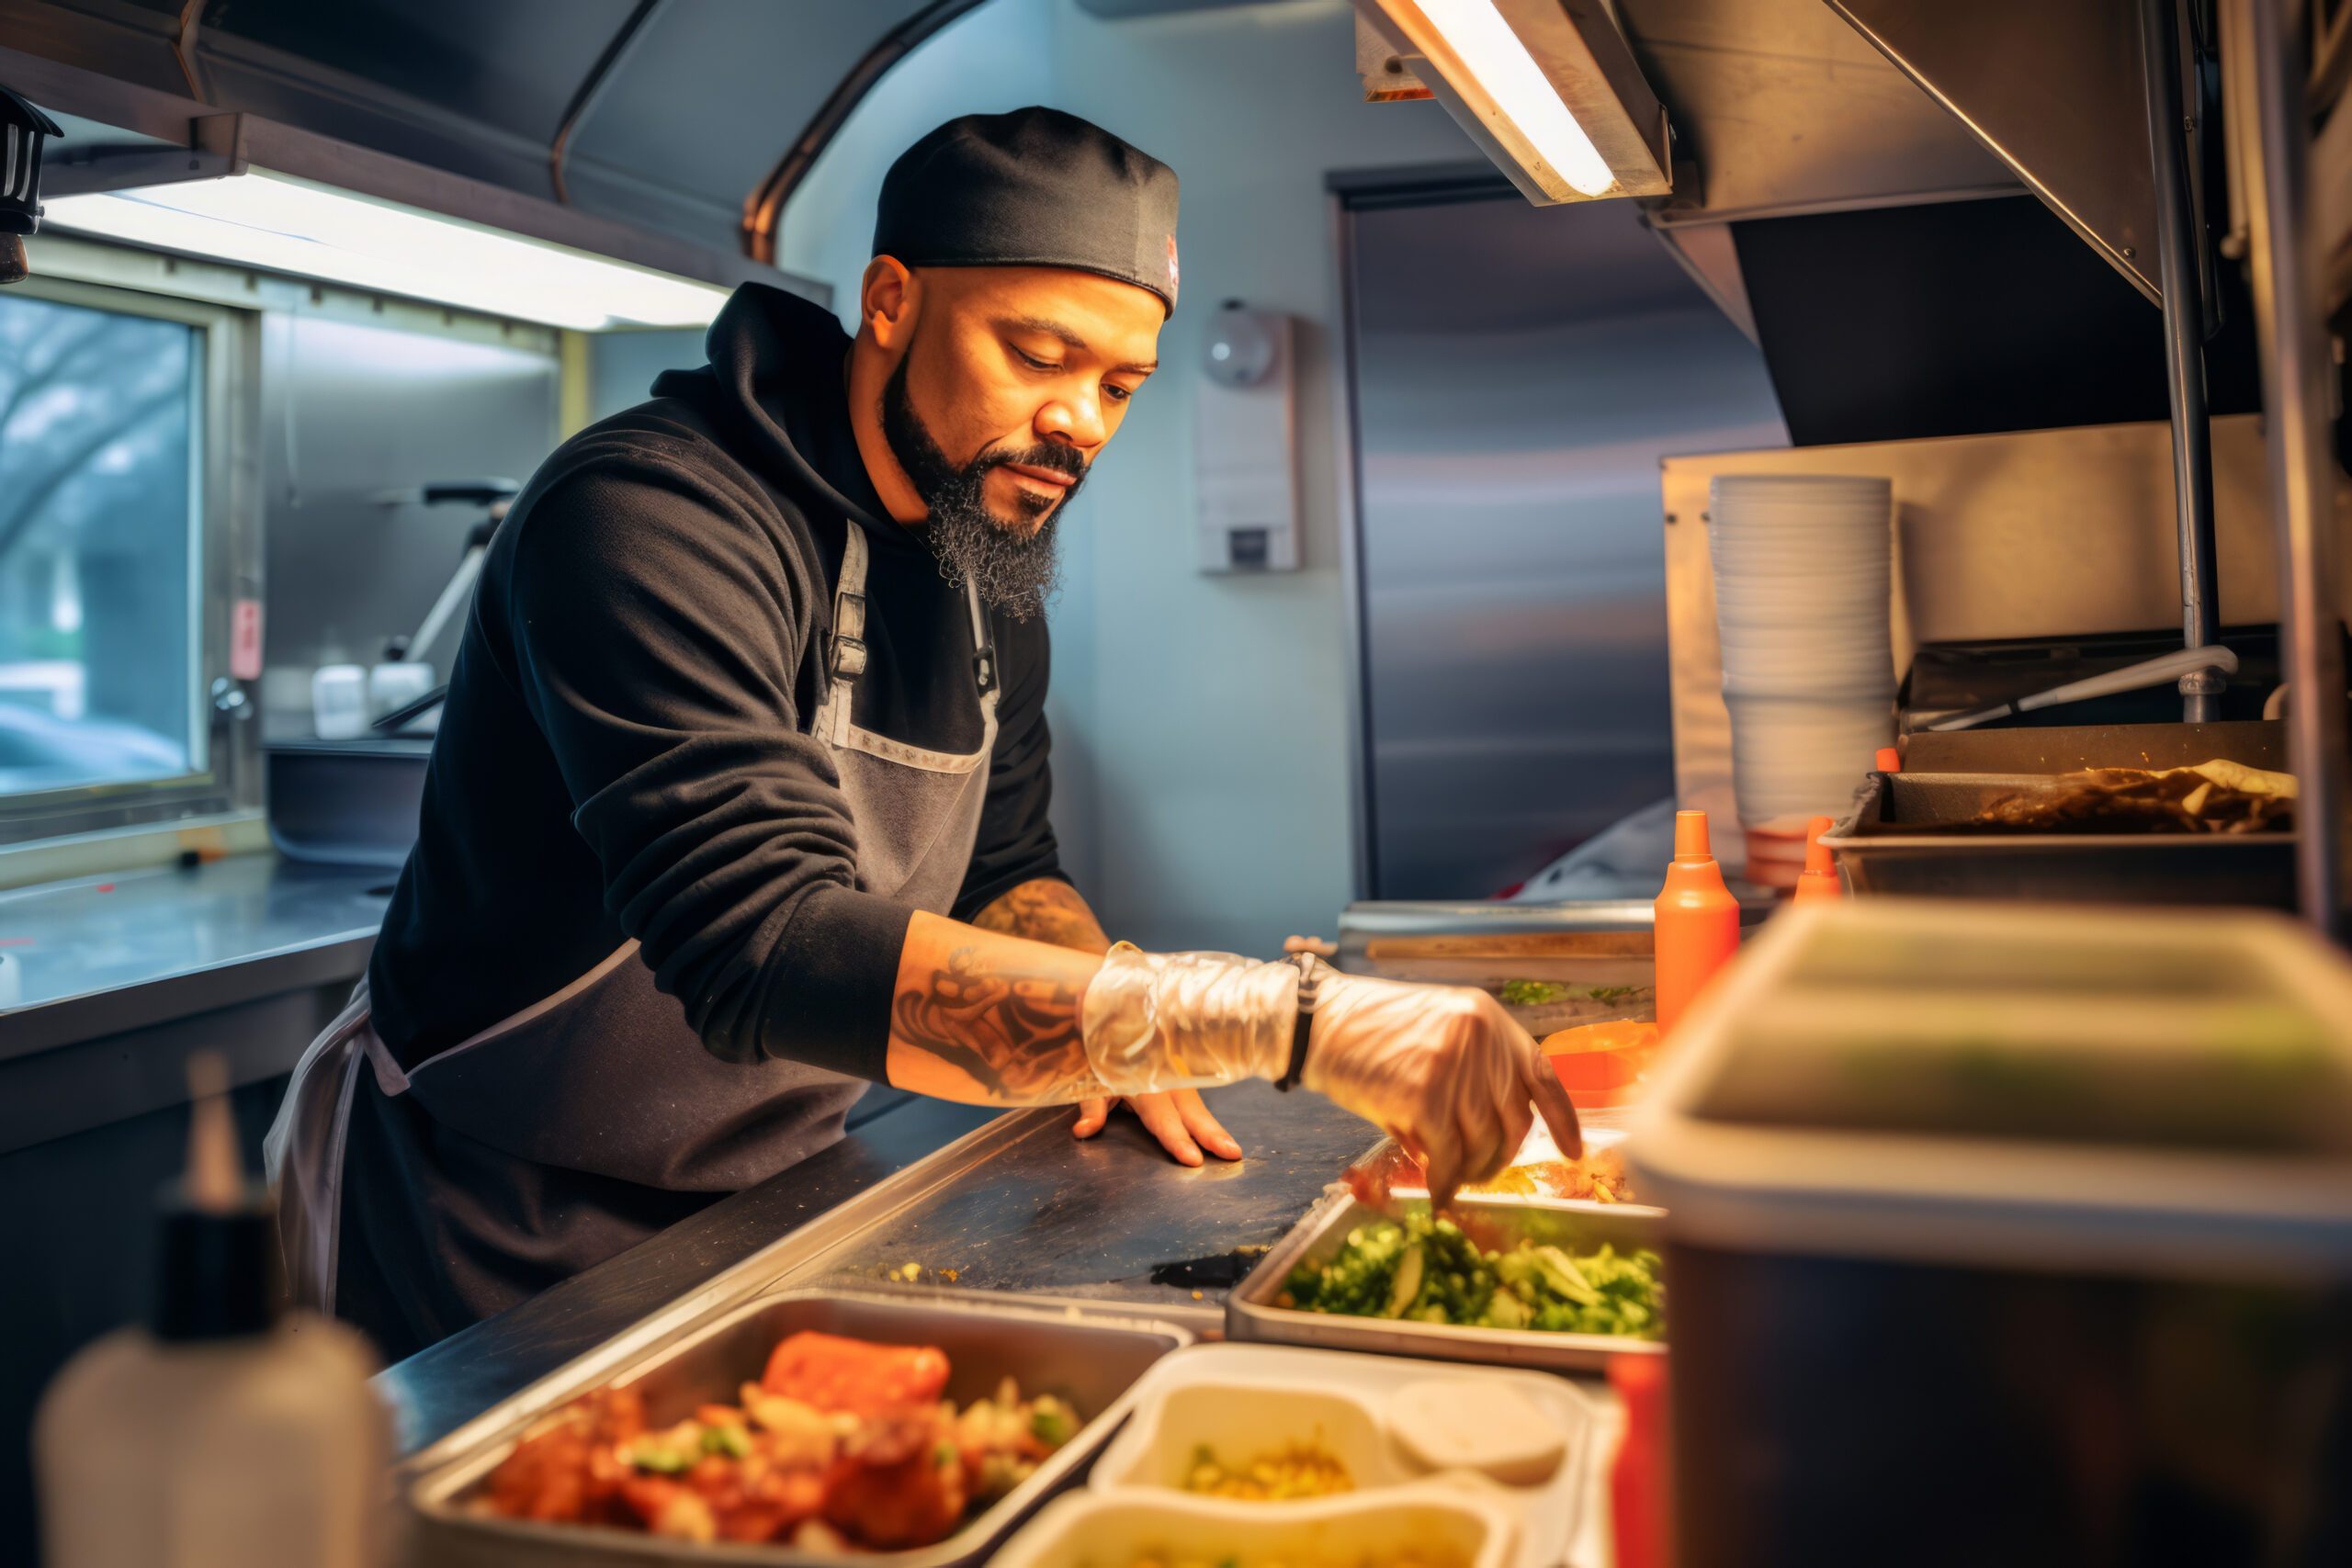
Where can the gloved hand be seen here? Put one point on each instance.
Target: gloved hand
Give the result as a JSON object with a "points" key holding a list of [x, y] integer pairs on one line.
{"points": [[1444, 1070]]}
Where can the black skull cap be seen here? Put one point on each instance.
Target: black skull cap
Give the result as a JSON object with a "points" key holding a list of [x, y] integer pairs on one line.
{"points": [[1034, 187]]}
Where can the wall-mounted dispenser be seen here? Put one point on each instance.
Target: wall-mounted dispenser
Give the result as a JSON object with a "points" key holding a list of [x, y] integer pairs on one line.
{"points": [[1245, 450]]}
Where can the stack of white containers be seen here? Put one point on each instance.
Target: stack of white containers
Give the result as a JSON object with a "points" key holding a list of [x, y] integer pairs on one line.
{"points": [[1804, 577]]}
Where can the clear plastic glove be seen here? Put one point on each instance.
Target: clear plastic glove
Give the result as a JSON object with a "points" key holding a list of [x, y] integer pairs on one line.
{"points": [[1165, 1020], [1443, 1068]]}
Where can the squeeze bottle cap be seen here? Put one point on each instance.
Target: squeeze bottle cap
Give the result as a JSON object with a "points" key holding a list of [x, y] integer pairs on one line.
{"points": [[1890, 761], [1691, 836], [218, 1277], [1818, 859]]}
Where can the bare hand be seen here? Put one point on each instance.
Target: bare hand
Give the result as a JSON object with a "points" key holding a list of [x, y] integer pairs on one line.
{"points": [[1177, 1119]]}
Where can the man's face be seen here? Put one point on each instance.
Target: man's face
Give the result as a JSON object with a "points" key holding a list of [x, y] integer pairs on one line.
{"points": [[1014, 380]]}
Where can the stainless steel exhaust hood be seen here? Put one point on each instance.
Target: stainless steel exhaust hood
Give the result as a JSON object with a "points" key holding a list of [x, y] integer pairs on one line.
{"points": [[2055, 92]]}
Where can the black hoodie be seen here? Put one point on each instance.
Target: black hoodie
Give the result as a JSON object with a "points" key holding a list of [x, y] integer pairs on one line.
{"points": [[625, 750]]}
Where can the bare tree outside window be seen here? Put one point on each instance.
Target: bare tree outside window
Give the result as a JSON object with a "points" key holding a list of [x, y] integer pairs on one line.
{"points": [[98, 546]]}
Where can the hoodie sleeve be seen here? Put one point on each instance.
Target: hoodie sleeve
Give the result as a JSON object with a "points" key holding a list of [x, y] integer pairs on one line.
{"points": [[657, 625], [1015, 843]]}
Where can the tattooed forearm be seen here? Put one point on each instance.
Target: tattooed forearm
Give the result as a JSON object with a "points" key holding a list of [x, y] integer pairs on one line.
{"points": [[989, 1020], [1046, 908]]}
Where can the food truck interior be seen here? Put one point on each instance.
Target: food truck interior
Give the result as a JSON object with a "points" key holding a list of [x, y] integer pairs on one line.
{"points": [[1832, 512]]}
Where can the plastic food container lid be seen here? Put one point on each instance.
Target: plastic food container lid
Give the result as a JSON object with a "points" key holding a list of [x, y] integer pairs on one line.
{"points": [[2027, 1085]]}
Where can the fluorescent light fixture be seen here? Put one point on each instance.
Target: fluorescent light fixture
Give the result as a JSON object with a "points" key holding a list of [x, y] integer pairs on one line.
{"points": [[279, 223], [1547, 87], [1495, 56]]}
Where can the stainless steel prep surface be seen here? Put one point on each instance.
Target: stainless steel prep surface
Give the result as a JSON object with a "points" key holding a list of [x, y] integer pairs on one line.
{"points": [[97, 955], [1017, 1205]]}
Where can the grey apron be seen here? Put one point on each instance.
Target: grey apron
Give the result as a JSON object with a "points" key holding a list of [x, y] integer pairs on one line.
{"points": [[563, 1112]]}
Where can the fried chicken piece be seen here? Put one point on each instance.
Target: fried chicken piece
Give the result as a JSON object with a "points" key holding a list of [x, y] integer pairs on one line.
{"points": [[669, 1507], [900, 1482], [831, 1373], [570, 1470]]}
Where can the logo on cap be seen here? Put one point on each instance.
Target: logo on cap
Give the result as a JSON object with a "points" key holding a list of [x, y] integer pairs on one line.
{"points": [[1172, 272]]}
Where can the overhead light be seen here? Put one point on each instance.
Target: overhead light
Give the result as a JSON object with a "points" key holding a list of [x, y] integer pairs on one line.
{"points": [[281, 223], [1549, 88]]}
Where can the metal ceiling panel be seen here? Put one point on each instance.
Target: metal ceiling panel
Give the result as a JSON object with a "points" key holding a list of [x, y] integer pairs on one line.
{"points": [[705, 103], [1125, 10], [714, 94], [2054, 91], [512, 65]]}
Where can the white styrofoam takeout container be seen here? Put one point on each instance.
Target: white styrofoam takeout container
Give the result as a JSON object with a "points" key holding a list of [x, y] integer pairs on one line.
{"points": [[1114, 1529]]}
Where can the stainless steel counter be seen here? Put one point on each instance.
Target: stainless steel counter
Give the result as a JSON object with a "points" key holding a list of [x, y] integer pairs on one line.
{"points": [[107, 983], [1013, 1204], [100, 955]]}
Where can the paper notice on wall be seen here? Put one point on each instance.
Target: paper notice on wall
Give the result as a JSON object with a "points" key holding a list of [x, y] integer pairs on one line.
{"points": [[245, 639]]}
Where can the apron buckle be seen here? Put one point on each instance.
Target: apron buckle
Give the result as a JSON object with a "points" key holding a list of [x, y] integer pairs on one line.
{"points": [[984, 669], [849, 657]]}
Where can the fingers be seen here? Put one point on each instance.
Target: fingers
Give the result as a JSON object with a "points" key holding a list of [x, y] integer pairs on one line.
{"points": [[1159, 1117], [1559, 1112], [1179, 1121], [1206, 1130], [1443, 1164], [1516, 1118], [1489, 1128]]}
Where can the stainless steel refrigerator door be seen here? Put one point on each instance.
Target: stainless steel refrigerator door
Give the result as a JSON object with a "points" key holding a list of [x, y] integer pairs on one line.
{"points": [[1517, 374]]}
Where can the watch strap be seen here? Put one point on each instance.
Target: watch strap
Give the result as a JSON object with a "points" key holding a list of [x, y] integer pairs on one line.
{"points": [[1309, 978]]}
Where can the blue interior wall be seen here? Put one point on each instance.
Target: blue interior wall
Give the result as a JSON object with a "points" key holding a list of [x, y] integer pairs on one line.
{"points": [[1201, 764]]}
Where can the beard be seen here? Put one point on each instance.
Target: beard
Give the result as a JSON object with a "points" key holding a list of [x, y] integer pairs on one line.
{"points": [[1012, 570]]}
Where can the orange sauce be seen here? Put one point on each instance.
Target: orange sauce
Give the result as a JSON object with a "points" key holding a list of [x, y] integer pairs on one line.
{"points": [[1602, 1064]]}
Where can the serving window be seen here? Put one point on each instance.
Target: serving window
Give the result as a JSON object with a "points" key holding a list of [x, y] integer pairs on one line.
{"points": [[118, 561]]}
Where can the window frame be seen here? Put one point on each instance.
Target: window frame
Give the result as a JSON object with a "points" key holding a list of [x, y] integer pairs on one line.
{"points": [[228, 567]]}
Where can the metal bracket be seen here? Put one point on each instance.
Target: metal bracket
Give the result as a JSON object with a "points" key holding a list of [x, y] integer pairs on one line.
{"points": [[215, 149]]}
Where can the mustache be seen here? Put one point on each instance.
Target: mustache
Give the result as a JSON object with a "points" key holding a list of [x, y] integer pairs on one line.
{"points": [[1051, 456]]}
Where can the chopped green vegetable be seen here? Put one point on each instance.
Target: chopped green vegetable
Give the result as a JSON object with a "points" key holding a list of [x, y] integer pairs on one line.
{"points": [[722, 1438], [1543, 993], [1049, 1425], [1408, 1283], [1428, 1271], [649, 1453]]}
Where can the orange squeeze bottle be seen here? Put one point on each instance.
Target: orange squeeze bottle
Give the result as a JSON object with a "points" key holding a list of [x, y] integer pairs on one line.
{"points": [[1819, 879], [1696, 923]]}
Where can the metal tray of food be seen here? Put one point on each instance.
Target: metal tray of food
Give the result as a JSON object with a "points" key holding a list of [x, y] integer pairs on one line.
{"points": [[1389, 1167], [1908, 833], [1250, 1313], [1090, 1355]]}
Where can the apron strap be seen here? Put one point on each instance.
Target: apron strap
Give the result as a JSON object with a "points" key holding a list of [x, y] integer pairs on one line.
{"points": [[846, 642], [983, 645]]}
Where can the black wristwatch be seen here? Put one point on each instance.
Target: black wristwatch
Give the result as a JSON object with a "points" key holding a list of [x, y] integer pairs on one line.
{"points": [[1311, 978]]}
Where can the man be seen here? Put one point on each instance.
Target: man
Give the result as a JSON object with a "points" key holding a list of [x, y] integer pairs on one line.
{"points": [[738, 802]]}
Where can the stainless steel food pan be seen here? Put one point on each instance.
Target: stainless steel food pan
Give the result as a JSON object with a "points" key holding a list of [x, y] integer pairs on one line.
{"points": [[1088, 1355], [1908, 834], [1250, 1313], [1409, 1187]]}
